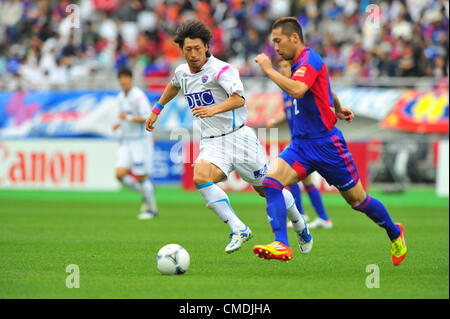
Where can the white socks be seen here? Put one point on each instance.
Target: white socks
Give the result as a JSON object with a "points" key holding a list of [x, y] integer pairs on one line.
{"points": [[148, 192], [131, 183], [145, 188], [298, 223], [217, 200]]}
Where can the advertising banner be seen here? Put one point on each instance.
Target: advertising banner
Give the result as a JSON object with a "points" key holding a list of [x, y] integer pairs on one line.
{"points": [[442, 178], [77, 164], [66, 164], [93, 113], [420, 112], [75, 114]]}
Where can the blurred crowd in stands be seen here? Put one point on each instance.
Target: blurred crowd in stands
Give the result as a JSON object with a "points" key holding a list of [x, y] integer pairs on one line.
{"points": [[46, 43]]}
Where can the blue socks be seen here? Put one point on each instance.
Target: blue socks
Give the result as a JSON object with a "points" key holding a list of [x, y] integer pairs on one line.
{"points": [[277, 212], [376, 211], [276, 209], [314, 197], [297, 193], [316, 201]]}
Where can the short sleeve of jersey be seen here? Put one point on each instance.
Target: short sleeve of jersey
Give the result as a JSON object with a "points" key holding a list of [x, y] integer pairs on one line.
{"points": [[229, 80], [176, 77], [144, 107], [308, 71], [175, 81]]}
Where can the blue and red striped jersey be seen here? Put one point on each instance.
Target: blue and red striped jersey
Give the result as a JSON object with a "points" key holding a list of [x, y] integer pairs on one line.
{"points": [[312, 113]]}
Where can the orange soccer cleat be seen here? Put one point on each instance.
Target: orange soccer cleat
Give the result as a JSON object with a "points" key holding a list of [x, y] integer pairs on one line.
{"points": [[398, 247], [275, 250]]}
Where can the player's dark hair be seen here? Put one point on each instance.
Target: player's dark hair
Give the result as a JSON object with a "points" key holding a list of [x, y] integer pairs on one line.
{"points": [[125, 71], [193, 29], [288, 26]]}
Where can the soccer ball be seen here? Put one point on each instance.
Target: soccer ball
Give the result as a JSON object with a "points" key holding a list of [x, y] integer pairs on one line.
{"points": [[172, 259]]}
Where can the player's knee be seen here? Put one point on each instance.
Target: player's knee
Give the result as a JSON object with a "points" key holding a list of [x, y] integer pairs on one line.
{"points": [[355, 201], [272, 182], [120, 174], [307, 181], [141, 178], [199, 180]]}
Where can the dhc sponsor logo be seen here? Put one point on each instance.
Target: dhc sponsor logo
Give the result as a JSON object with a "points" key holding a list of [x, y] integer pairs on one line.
{"points": [[204, 98], [261, 172]]}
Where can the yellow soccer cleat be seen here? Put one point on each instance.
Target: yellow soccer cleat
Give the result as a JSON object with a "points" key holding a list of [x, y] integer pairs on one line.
{"points": [[398, 247], [275, 250]]}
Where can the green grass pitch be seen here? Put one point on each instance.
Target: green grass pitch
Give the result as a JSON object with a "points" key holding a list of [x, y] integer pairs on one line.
{"points": [[43, 232]]}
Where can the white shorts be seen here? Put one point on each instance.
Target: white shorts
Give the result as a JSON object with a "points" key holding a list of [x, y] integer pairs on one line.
{"points": [[238, 151], [136, 155]]}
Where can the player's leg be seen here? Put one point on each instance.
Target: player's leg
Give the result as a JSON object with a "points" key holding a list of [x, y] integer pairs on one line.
{"points": [[361, 201], [121, 173], [250, 162], [297, 193], [123, 168], [337, 167], [322, 221], [281, 174], [140, 154], [150, 202], [206, 175], [149, 208], [251, 165], [296, 218]]}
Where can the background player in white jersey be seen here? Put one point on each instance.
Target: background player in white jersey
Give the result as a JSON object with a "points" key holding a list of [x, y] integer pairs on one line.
{"points": [[215, 94], [136, 147]]}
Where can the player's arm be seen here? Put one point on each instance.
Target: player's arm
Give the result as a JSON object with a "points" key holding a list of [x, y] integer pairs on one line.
{"points": [[131, 118], [341, 112], [296, 89], [233, 102], [169, 93]]}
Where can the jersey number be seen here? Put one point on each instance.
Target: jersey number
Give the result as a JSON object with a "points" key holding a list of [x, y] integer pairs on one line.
{"points": [[296, 111]]}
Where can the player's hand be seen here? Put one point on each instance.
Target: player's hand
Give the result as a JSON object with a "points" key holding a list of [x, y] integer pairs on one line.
{"points": [[123, 115], [203, 111], [345, 114], [116, 126], [270, 123], [150, 121], [264, 62]]}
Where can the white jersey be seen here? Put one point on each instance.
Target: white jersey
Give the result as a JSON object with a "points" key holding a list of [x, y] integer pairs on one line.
{"points": [[213, 84], [134, 103]]}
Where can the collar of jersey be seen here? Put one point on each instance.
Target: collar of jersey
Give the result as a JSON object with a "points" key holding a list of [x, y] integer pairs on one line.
{"points": [[297, 59]]}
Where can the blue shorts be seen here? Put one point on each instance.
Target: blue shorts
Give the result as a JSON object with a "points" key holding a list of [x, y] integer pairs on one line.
{"points": [[327, 154]]}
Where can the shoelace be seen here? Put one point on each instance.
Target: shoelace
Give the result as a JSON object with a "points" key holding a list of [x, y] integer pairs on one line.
{"points": [[397, 248], [234, 234]]}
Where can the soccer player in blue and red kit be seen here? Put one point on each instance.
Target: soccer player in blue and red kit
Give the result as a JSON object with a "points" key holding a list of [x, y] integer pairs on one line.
{"points": [[316, 145], [322, 220]]}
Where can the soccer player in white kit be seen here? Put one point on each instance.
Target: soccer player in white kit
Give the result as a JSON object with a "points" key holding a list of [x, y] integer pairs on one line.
{"points": [[136, 146], [215, 95]]}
